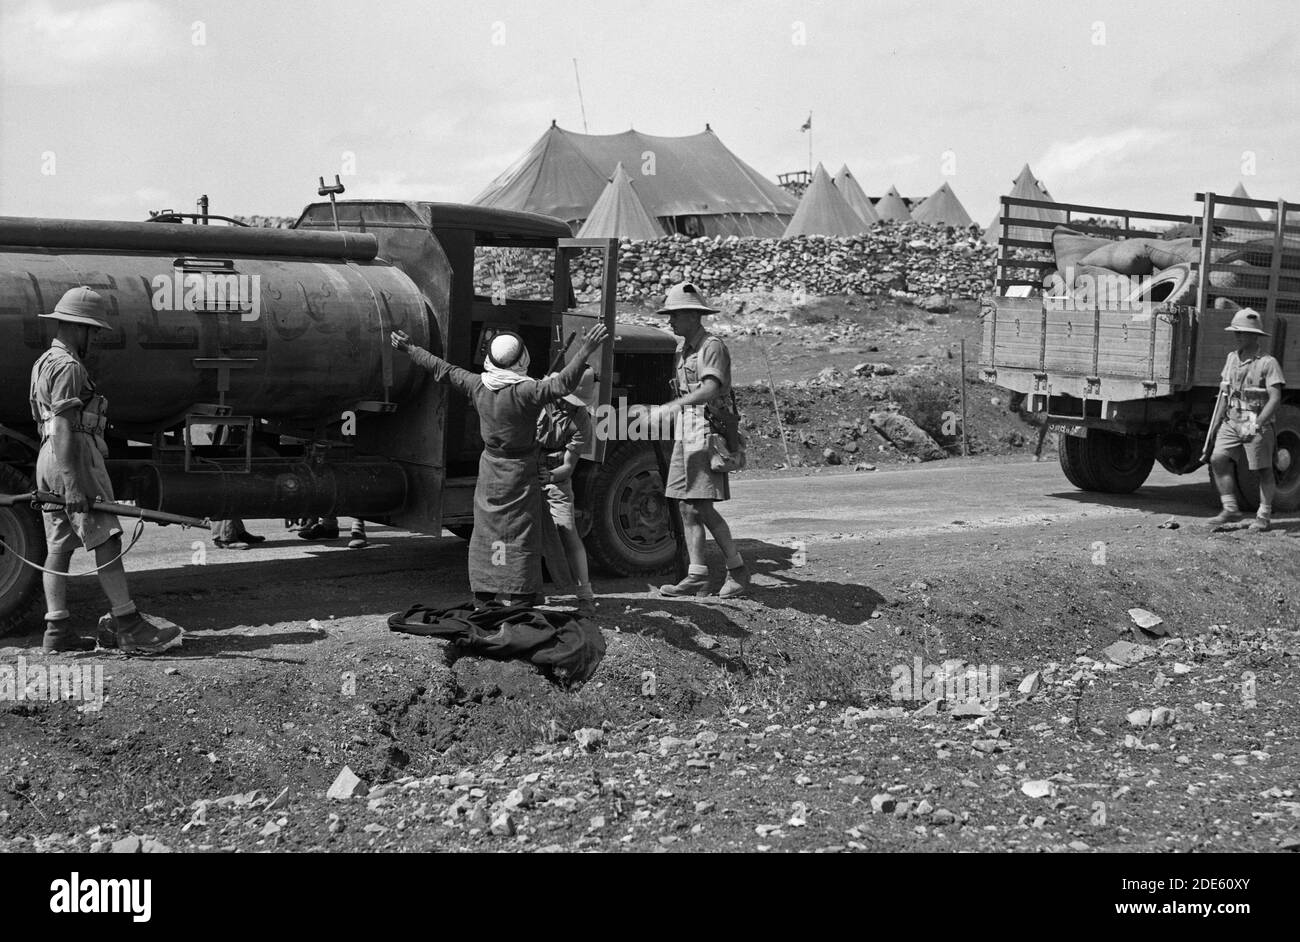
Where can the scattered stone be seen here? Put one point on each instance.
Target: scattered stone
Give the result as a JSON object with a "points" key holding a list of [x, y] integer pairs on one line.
{"points": [[588, 738], [969, 709], [1170, 524], [1140, 718], [883, 803], [1162, 716], [128, 845], [1029, 686], [1126, 653], [1148, 621], [503, 824], [346, 786], [1038, 788]]}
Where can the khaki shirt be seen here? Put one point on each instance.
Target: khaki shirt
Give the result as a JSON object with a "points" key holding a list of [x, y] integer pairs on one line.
{"points": [[1248, 381], [60, 383], [694, 364]]}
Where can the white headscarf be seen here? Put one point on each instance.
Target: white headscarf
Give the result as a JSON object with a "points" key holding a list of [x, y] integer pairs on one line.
{"points": [[505, 348]]}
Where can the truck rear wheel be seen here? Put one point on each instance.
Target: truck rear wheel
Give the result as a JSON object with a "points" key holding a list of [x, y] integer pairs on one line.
{"points": [[631, 533], [1107, 461], [1286, 467], [22, 533]]}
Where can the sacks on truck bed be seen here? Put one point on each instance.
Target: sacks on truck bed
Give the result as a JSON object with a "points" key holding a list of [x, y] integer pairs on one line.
{"points": [[1070, 247]]}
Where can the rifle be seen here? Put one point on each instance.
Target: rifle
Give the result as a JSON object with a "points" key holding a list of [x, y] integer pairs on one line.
{"points": [[1216, 419], [36, 498], [558, 362]]}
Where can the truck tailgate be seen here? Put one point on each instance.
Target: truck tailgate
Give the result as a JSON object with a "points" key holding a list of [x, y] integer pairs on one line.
{"points": [[1036, 345]]}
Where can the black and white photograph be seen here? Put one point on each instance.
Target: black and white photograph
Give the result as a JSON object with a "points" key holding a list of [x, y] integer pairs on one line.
{"points": [[754, 427]]}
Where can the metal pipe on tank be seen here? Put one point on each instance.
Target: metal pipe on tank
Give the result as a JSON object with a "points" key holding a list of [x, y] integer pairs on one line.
{"points": [[360, 488], [144, 236]]}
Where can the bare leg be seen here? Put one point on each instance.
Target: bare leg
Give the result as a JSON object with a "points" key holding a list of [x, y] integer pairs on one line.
{"points": [[709, 516], [693, 528], [112, 578], [576, 553], [56, 587], [1224, 479], [1267, 490]]}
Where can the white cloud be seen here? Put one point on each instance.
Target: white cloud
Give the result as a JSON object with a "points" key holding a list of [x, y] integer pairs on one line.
{"points": [[1096, 157], [45, 44]]}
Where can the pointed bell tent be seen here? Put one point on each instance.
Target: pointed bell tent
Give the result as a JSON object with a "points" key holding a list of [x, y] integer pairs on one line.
{"points": [[619, 213], [824, 211], [854, 195]]}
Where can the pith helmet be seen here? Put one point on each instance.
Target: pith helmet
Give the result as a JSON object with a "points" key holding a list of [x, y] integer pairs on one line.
{"points": [[585, 394], [1247, 321], [80, 306], [685, 297]]}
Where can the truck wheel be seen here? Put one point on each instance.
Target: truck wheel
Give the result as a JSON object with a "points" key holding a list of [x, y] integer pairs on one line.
{"points": [[1106, 461], [22, 532], [631, 533], [1286, 466]]}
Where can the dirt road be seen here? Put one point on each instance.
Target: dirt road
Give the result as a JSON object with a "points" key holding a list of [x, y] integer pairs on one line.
{"points": [[787, 721]]}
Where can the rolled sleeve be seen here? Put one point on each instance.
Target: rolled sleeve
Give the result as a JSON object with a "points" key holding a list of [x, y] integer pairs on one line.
{"points": [[66, 384], [715, 360], [1273, 374], [581, 431]]}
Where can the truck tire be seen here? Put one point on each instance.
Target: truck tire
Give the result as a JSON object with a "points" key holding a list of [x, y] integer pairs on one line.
{"points": [[1107, 461], [1286, 467], [21, 530], [631, 534]]}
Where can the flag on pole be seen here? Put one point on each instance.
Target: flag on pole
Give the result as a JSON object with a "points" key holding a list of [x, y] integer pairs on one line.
{"points": [[807, 125]]}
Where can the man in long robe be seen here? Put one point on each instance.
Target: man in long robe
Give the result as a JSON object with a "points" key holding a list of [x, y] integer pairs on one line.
{"points": [[505, 547]]}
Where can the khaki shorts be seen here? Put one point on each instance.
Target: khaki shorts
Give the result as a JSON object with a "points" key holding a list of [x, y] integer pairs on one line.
{"points": [[559, 498], [1258, 454], [64, 532], [690, 475]]}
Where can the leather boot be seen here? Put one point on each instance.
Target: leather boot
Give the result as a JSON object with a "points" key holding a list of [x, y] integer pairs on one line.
{"points": [[691, 585], [60, 636], [737, 583], [137, 636]]}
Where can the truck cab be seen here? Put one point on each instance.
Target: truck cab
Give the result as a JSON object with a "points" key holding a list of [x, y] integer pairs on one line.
{"points": [[484, 271]]}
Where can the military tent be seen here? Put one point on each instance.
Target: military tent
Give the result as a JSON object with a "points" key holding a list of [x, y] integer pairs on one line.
{"points": [[619, 213], [891, 206], [942, 208], [853, 194], [823, 211], [1026, 187], [1239, 213], [691, 184]]}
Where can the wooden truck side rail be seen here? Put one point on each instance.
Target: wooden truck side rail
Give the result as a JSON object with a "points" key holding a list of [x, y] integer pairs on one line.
{"points": [[1108, 349]]}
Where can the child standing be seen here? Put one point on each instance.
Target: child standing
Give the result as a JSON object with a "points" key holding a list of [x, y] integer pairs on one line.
{"points": [[563, 430]]}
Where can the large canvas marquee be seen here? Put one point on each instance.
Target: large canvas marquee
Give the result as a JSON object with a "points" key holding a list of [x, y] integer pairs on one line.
{"points": [[692, 184]]}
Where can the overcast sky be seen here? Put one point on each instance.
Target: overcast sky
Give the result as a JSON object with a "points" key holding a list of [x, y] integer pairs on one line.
{"points": [[109, 109]]}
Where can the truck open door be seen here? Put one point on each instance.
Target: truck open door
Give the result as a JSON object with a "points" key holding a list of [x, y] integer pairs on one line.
{"points": [[580, 315]]}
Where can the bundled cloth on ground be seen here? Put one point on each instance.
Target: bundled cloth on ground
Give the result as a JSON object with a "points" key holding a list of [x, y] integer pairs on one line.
{"points": [[566, 648]]}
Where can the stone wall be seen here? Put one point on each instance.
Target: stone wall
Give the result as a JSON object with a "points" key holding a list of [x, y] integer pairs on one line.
{"points": [[908, 257]]}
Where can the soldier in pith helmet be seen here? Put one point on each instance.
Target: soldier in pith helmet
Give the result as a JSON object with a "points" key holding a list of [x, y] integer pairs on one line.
{"points": [[72, 418]]}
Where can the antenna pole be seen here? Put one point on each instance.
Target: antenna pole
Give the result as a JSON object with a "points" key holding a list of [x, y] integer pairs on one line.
{"points": [[582, 107]]}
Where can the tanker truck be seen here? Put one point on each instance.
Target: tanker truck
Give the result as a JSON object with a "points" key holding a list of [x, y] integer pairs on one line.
{"points": [[249, 371]]}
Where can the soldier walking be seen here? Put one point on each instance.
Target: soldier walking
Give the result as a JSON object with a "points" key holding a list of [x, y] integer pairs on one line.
{"points": [[72, 418], [703, 379], [1252, 382]]}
